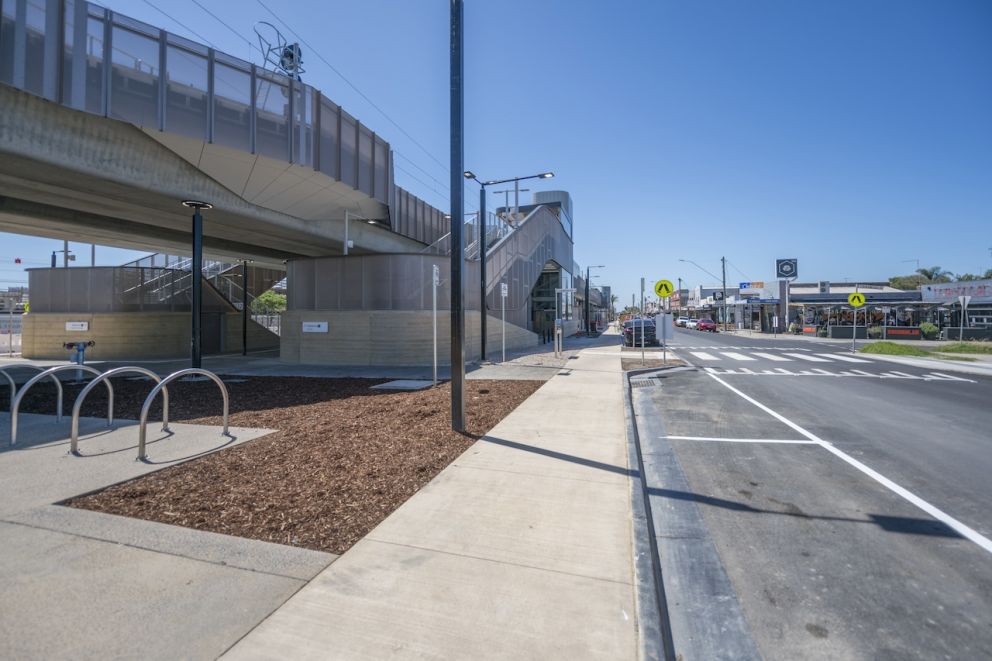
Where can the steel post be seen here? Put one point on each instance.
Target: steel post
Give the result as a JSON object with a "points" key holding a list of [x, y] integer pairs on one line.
{"points": [[197, 277], [244, 307], [457, 118], [482, 271]]}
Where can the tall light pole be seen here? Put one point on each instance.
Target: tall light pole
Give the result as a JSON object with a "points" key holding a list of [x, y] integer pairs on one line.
{"points": [[196, 269], [457, 116], [587, 293], [483, 310]]}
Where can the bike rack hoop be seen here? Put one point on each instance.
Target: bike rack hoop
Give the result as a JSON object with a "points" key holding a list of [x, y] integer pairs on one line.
{"points": [[78, 405], [142, 422], [51, 372]]}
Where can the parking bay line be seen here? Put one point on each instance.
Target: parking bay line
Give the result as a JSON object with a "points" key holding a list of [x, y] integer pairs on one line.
{"points": [[740, 440], [942, 516]]}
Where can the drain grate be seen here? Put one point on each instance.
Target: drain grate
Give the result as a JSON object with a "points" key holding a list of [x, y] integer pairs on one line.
{"points": [[645, 383]]}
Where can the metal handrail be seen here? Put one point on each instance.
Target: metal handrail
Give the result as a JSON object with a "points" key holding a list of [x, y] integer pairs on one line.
{"points": [[10, 379], [143, 420], [52, 371], [77, 407]]}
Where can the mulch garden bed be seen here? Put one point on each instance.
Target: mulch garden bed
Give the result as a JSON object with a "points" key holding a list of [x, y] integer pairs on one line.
{"points": [[344, 456]]}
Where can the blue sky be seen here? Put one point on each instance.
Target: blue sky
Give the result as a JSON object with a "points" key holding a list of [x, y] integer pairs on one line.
{"points": [[851, 135]]}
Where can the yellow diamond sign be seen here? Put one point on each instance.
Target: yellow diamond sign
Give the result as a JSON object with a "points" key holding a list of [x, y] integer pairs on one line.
{"points": [[664, 288], [856, 299]]}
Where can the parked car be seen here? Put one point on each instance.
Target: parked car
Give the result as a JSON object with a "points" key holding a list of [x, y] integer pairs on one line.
{"points": [[681, 321], [706, 325], [691, 323], [632, 332]]}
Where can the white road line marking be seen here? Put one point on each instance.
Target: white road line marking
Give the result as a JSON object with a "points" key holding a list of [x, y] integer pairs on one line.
{"points": [[949, 377], [901, 375], [745, 370], [711, 370], [783, 371], [837, 356], [771, 356], [702, 355], [942, 516], [812, 359], [740, 440], [817, 369], [736, 356], [864, 373]]}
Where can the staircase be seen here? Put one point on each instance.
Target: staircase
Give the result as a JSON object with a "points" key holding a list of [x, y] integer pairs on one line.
{"points": [[171, 278]]}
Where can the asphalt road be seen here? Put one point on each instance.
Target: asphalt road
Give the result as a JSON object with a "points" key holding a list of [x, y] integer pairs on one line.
{"points": [[819, 507]]}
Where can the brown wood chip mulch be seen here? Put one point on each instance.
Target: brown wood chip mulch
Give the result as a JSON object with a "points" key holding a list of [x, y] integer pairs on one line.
{"points": [[343, 459]]}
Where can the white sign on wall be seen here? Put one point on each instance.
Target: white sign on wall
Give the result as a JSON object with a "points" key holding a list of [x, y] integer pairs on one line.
{"points": [[314, 326], [77, 325], [504, 291]]}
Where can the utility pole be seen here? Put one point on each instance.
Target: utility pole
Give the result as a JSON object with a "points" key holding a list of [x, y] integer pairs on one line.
{"points": [[483, 308], [723, 262], [457, 118], [680, 297]]}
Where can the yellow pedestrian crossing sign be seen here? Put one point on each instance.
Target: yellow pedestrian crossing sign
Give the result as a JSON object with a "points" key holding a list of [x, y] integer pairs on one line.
{"points": [[856, 299], [664, 288]]}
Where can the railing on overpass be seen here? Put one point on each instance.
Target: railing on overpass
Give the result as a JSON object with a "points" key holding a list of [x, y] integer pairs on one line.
{"points": [[89, 58]]}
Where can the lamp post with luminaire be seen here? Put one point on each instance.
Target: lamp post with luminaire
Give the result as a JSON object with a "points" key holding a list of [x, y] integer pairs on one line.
{"points": [[600, 266], [482, 241]]}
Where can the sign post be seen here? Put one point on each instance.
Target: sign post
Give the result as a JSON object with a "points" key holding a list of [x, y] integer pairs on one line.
{"points": [[885, 322], [504, 291], [964, 301], [642, 322], [664, 289], [435, 281], [856, 299]]}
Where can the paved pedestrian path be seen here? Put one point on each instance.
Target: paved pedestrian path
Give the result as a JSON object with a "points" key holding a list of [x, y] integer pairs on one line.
{"points": [[520, 549]]}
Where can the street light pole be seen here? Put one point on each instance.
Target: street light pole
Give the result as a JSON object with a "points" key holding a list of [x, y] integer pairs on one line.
{"points": [[723, 261], [457, 71], [196, 274], [588, 328]]}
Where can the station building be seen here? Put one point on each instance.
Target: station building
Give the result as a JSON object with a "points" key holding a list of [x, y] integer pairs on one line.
{"points": [[108, 123]]}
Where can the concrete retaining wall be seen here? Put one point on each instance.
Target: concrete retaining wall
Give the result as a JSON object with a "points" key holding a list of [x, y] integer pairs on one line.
{"points": [[395, 338], [132, 335]]}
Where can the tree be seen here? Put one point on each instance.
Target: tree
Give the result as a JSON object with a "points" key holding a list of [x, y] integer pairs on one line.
{"points": [[906, 282], [269, 302], [935, 274]]}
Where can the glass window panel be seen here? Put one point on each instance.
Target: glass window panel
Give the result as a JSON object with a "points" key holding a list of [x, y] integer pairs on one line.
{"points": [[186, 93], [271, 118], [134, 80], [34, 57], [329, 139], [348, 148], [94, 66], [232, 107], [365, 160], [67, 42], [7, 18], [303, 124], [381, 161]]}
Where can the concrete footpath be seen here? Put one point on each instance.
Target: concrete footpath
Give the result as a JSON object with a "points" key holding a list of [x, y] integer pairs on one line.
{"points": [[520, 549]]}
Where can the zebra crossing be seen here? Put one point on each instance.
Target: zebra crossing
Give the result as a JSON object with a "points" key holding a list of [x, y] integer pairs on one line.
{"points": [[785, 356], [816, 371], [746, 361]]}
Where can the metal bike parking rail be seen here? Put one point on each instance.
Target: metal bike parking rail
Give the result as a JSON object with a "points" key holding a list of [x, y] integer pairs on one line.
{"points": [[77, 407], [161, 386], [52, 371], [10, 379]]}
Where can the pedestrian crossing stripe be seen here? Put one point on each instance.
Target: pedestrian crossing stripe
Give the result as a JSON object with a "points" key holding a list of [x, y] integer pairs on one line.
{"points": [[815, 371]]}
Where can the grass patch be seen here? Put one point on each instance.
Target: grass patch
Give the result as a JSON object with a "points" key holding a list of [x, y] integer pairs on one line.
{"points": [[967, 347], [893, 349]]}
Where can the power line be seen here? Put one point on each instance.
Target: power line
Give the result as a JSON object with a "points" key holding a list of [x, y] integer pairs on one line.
{"points": [[411, 162], [180, 23], [219, 20], [353, 86]]}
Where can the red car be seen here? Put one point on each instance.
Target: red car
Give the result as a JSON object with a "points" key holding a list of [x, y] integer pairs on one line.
{"points": [[706, 325]]}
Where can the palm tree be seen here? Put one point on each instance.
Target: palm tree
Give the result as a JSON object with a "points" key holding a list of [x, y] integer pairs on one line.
{"points": [[935, 274]]}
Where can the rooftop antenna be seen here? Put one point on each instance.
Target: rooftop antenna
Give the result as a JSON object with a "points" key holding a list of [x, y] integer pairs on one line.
{"points": [[277, 51]]}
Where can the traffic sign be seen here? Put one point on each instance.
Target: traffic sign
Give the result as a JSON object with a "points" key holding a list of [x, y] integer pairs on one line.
{"points": [[786, 268], [504, 290], [964, 300], [718, 296], [664, 288], [856, 299]]}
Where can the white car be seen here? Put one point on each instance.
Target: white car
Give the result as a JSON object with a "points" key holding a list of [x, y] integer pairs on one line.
{"points": [[682, 321], [692, 323]]}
